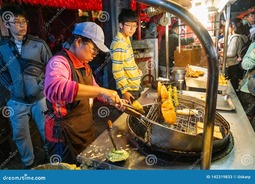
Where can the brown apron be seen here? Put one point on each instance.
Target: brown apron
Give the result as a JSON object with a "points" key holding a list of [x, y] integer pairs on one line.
{"points": [[78, 125]]}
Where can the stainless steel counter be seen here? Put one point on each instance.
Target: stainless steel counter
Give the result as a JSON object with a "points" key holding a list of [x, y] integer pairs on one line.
{"points": [[242, 156]]}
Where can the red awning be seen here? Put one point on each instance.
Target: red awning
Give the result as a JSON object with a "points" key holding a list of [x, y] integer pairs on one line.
{"points": [[68, 4]]}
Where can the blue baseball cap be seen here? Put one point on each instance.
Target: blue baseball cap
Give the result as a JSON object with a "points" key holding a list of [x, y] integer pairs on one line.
{"points": [[92, 31]]}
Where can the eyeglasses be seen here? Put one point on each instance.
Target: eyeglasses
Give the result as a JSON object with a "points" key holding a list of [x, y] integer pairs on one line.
{"points": [[93, 50], [131, 26], [20, 23]]}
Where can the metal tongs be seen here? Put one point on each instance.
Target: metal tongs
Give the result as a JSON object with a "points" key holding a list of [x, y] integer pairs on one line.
{"points": [[134, 108], [133, 111]]}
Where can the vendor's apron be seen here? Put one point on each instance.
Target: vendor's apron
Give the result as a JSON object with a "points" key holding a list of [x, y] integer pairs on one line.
{"points": [[70, 135], [78, 125]]}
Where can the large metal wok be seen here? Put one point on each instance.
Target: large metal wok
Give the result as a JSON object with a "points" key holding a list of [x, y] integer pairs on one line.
{"points": [[180, 137]]}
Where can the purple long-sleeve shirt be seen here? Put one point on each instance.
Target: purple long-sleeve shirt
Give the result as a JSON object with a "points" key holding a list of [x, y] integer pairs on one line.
{"points": [[59, 86], [58, 81]]}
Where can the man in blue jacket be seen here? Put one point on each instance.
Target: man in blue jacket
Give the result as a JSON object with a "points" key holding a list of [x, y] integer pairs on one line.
{"points": [[22, 62]]}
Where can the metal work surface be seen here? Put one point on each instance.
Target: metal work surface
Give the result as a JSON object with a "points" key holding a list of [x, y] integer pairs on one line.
{"points": [[242, 156]]}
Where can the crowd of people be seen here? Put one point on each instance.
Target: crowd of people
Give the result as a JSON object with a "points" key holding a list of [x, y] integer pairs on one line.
{"points": [[240, 61]]}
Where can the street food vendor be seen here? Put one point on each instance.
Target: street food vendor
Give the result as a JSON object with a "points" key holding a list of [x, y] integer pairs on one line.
{"points": [[173, 43], [70, 89]]}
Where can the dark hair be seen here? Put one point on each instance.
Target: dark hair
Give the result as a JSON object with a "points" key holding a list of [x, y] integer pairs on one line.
{"points": [[127, 15], [176, 24], [84, 39], [237, 24], [15, 10]]}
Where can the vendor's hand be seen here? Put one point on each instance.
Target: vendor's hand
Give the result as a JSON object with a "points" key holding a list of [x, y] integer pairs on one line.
{"points": [[120, 105], [111, 96], [127, 96]]}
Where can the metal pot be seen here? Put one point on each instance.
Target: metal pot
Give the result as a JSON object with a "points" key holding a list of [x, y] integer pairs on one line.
{"points": [[154, 83], [178, 76]]}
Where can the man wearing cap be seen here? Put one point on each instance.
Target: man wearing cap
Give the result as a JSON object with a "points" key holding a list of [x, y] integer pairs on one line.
{"points": [[70, 89], [250, 18]]}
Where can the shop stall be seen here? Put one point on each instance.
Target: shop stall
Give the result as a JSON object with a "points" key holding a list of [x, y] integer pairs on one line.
{"points": [[153, 145]]}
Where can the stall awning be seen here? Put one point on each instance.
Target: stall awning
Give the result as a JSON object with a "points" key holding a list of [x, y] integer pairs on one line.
{"points": [[68, 4]]}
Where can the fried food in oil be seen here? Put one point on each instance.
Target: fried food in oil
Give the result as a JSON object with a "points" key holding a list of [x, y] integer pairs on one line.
{"points": [[168, 112], [164, 94], [175, 96], [187, 112], [137, 105], [216, 132]]}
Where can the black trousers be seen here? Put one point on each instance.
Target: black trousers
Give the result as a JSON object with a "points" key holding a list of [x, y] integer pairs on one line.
{"points": [[235, 73]]}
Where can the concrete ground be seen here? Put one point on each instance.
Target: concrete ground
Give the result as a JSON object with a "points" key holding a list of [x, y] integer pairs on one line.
{"points": [[9, 155]]}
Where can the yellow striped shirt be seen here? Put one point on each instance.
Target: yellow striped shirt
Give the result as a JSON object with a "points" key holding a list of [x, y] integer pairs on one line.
{"points": [[124, 68]]}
